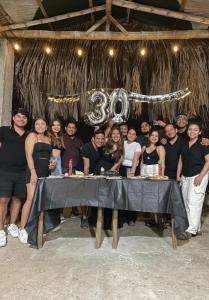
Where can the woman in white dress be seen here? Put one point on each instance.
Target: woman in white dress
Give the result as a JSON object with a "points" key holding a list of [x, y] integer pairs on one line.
{"points": [[132, 152]]}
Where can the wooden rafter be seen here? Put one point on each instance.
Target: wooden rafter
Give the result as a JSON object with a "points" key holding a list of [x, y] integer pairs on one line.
{"points": [[128, 14], [108, 9], [8, 21], [92, 15], [43, 10], [161, 11], [183, 4], [96, 25], [52, 19], [104, 35], [117, 24]]}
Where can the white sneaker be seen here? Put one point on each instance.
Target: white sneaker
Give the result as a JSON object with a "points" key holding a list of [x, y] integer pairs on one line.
{"points": [[12, 229], [3, 238], [23, 236]]}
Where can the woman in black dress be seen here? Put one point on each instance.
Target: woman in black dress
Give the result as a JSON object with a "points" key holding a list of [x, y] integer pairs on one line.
{"points": [[38, 153], [111, 159]]}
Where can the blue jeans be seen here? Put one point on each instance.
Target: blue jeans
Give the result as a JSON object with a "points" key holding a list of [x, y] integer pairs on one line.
{"points": [[58, 169]]}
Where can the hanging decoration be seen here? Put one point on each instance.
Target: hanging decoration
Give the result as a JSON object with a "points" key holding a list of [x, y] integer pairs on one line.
{"points": [[119, 96], [101, 113], [64, 99], [106, 105], [159, 98], [116, 104]]}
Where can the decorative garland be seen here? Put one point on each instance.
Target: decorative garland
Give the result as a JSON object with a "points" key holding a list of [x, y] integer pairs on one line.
{"points": [[131, 96]]}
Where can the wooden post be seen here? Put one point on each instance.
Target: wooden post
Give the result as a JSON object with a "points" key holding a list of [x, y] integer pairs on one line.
{"points": [[6, 81], [115, 228], [67, 212], [99, 227], [174, 240], [40, 230]]}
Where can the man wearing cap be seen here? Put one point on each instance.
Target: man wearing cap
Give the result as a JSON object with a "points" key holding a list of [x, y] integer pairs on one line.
{"points": [[182, 123], [12, 171]]}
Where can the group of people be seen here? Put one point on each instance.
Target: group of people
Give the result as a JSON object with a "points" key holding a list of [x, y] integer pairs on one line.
{"points": [[175, 150]]}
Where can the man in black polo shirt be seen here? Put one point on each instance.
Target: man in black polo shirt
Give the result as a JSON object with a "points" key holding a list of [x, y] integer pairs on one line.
{"points": [[173, 150], [12, 171], [91, 154]]}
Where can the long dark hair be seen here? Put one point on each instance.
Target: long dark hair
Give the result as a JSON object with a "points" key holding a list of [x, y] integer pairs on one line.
{"points": [[46, 133], [151, 131], [56, 140], [198, 124], [110, 143]]}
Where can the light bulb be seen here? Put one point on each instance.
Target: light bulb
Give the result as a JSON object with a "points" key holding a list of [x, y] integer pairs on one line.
{"points": [[48, 50], [111, 52], [16, 46], [143, 52], [176, 48], [80, 52]]}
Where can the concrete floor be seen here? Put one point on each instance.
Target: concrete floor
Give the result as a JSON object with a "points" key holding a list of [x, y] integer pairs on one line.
{"points": [[144, 266]]}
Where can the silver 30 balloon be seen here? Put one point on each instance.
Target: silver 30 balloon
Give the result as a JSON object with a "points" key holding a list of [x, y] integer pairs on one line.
{"points": [[105, 105]]}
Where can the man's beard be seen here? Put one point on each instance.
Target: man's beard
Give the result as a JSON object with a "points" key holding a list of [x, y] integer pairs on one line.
{"points": [[145, 133], [171, 138]]}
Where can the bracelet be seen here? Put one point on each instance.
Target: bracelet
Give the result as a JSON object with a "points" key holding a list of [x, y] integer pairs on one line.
{"points": [[32, 169]]}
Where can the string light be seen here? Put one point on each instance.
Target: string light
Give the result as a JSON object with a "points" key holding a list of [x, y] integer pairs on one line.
{"points": [[176, 48], [143, 52], [17, 46], [48, 50], [79, 52], [111, 52]]}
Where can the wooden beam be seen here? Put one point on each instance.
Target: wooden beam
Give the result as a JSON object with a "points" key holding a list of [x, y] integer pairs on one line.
{"points": [[161, 11], [8, 21], [108, 9], [128, 14], [182, 6], [53, 19], [92, 15], [117, 24], [117, 36], [43, 10], [96, 25]]}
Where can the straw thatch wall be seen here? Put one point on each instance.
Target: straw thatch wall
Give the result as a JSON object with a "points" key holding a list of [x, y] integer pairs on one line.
{"points": [[38, 75]]}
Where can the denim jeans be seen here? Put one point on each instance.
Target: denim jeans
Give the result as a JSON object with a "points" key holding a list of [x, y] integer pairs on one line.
{"points": [[58, 169]]}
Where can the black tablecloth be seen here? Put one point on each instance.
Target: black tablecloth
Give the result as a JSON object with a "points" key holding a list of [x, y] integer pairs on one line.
{"points": [[156, 196]]}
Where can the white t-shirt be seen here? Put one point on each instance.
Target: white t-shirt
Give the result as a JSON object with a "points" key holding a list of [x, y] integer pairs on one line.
{"points": [[130, 149]]}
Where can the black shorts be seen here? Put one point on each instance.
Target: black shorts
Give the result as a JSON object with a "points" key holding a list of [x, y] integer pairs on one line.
{"points": [[12, 184]]}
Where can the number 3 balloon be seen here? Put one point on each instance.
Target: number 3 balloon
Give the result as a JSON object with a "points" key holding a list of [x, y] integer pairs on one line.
{"points": [[100, 113]]}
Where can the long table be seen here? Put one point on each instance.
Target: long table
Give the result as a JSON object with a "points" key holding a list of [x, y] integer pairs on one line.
{"points": [[144, 195]]}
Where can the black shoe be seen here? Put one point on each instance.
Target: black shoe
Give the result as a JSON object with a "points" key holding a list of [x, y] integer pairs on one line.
{"points": [[84, 223]]}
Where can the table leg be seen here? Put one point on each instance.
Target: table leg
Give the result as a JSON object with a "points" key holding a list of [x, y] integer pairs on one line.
{"points": [[40, 229], [174, 240], [99, 227], [115, 229]]}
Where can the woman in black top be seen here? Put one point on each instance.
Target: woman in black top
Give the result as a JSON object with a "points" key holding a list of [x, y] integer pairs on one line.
{"points": [[38, 151], [193, 168], [57, 144], [111, 158], [112, 155], [153, 155]]}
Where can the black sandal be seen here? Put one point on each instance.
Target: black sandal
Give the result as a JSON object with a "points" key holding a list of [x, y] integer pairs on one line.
{"points": [[184, 236]]}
